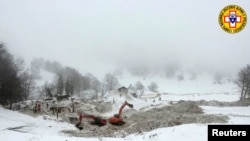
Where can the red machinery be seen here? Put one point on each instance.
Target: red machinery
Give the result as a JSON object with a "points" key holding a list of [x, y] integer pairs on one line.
{"points": [[117, 118], [97, 120]]}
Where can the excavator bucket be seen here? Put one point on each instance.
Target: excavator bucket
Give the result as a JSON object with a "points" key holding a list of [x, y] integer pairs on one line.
{"points": [[130, 105], [79, 126]]}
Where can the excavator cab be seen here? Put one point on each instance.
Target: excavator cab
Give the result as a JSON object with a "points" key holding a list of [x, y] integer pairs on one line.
{"points": [[116, 115], [99, 121]]}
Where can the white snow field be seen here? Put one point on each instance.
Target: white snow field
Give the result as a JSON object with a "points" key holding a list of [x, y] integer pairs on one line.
{"points": [[17, 126]]}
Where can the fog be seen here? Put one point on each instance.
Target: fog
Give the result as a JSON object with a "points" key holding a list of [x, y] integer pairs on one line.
{"points": [[142, 36]]}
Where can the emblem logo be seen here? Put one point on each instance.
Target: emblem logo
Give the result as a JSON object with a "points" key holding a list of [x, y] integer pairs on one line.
{"points": [[232, 19]]}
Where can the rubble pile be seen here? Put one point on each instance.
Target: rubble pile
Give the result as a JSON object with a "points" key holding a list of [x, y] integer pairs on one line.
{"points": [[182, 112], [177, 114]]}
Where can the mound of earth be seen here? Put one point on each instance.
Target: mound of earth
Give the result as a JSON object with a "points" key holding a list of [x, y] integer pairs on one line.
{"points": [[243, 102], [176, 114]]}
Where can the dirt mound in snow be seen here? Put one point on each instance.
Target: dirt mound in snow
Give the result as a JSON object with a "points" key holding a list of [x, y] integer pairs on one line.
{"points": [[176, 114], [187, 107], [243, 102]]}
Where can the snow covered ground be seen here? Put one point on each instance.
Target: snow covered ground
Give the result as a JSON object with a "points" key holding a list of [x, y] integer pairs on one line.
{"points": [[16, 126], [202, 83]]}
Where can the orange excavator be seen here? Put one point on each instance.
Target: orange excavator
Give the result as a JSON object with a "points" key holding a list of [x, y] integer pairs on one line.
{"points": [[96, 120], [117, 118]]}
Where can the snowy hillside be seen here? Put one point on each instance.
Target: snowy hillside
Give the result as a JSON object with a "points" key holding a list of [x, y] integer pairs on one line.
{"points": [[157, 116], [45, 77], [202, 83]]}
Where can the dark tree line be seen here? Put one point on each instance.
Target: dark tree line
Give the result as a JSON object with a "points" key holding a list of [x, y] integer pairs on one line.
{"points": [[15, 82], [59, 88], [243, 82], [69, 81]]}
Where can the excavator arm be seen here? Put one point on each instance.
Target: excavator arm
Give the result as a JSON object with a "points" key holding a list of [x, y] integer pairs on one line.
{"points": [[121, 109], [117, 118], [96, 120], [85, 116]]}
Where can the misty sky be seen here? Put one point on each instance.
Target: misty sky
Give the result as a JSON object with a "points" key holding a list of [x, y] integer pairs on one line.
{"points": [[143, 36]]}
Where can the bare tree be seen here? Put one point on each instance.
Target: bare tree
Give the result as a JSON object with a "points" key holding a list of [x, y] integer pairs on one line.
{"points": [[67, 87], [77, 81], [153, 87], [180, 77], [171, 70], [193, 75], [48, 88], [103, 89], [110, 81], [28, 84], [35, 67], [54, 67], [218, 78], [96, 86], [243, 81], [140, 87], [86, 82], [60, 85]]}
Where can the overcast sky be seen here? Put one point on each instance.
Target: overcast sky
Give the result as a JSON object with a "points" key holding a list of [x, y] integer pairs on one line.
{"points": [[144, 36]]}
